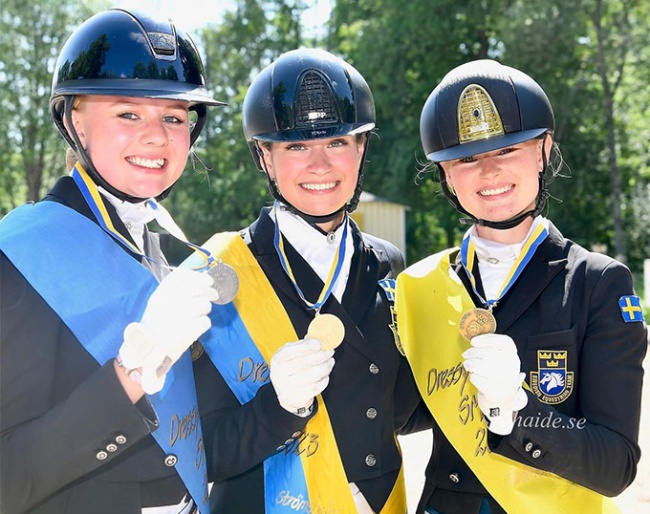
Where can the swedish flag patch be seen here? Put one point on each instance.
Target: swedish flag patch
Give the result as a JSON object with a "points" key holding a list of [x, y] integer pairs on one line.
{"points": [[631, 308], [388, 285]]}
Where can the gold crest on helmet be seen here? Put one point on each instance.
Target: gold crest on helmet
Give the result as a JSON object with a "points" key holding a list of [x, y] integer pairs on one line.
{"points": [[478, 118]]}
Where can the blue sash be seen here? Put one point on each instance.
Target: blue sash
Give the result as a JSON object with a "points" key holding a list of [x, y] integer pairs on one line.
{"points": [[97, 289]]}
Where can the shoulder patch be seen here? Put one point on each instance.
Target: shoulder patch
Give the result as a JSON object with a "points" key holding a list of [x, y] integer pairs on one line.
{"points": [[631, 308], [388, 285]]}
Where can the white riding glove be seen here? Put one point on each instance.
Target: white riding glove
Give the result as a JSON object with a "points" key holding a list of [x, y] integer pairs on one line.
{"points": [[494, 368], [299, 372], [175, 316]]}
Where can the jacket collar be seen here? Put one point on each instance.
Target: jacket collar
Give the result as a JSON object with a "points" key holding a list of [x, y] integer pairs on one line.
{"points": [[359, 293]]}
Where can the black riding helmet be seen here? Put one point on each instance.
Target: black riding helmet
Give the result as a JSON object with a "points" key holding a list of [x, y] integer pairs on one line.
{"points": [[127, 53], [307, 94], [481, 106]]}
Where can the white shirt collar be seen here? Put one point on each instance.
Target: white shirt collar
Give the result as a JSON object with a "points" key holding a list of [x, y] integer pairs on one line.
{"points": [[315, 247]]}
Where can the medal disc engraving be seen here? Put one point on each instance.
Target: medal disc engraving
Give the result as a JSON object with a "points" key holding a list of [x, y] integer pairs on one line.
{"points": [[226, 282], [476, 322], [328, 329]]}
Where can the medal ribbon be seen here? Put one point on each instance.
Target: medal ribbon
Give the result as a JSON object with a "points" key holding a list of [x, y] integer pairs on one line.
{"points": [[334, 273], [432, 286], [307, 475], [104, 283], [93, 198], [468, 256]]}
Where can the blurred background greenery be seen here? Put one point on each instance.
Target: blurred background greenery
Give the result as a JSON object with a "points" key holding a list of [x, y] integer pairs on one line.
{"points": [[591, 57]]}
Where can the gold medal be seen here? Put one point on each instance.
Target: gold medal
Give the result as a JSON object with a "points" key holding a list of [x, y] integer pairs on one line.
{"points": [[328, 329], [476, 322]]}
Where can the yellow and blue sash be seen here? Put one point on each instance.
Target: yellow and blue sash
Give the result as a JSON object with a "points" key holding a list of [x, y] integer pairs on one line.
{"points": [[97, 289], [308, 475], [434, 347]]}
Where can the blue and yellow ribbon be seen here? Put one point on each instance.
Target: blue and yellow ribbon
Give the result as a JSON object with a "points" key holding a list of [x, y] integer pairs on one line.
{"points": [[308, 474], [335, 270], [468, 256], [94, 200]]}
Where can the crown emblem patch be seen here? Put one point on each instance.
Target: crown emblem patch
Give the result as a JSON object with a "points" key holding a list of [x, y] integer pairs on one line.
{"points": [[551, 383]]}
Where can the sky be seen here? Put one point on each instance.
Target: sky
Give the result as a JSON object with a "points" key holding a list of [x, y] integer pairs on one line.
{"points": [[192, 14]]}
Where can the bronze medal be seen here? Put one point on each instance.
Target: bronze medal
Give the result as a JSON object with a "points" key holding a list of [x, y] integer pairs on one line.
{"points": [[226, 282], [476, 322], [328, 329]]}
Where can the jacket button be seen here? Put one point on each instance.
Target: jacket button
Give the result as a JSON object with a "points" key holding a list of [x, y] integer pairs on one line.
{"points": [[280, 448], [371, 413], [112, 447], [528, 447], [536, 453], [454, 477], [373, 369], [120, 439], [371, 460], [171, 460], [296, 434], [101, 455]]}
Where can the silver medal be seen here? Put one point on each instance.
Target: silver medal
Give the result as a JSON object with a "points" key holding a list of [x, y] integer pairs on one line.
{"points": [[226, 282]]}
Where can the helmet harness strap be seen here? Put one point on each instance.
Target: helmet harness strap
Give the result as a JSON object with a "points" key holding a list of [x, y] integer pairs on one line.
{"points": [[540, 201], [71, 136], [309, 218]]}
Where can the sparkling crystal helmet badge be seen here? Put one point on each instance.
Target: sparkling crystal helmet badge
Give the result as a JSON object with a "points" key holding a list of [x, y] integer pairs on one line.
{"points": [[478, 117]]}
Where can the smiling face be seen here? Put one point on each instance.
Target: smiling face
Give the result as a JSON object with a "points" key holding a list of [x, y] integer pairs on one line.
{"points": [[498, 185], [138, 145], [318, 176]]}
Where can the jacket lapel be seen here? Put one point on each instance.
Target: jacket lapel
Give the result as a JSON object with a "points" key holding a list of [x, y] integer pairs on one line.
{"points": [[358, 295]]}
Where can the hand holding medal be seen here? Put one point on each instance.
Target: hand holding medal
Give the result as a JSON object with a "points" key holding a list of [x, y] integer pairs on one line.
{"points": [[226, 281]]}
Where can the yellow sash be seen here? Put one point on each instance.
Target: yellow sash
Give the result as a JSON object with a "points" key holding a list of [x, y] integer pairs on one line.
{"points": [[430, 300], [270, 328]]}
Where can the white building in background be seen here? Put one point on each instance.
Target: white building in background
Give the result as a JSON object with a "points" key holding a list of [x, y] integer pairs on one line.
{"points": [[382, 218]]}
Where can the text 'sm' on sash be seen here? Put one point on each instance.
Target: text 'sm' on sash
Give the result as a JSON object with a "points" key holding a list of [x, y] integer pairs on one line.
{"points": [[430, 300]]}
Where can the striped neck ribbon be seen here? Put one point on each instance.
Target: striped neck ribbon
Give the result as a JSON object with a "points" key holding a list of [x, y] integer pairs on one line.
{"points": [[468, 259], [93, 198], [335, 271]]}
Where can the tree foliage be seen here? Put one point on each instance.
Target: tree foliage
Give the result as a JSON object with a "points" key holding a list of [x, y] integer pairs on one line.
{"points": [[590, 56], [557, 44], [31, 151]]}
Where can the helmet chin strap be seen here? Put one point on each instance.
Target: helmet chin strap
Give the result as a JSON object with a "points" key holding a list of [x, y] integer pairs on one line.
{"points": [[85, 159], [87, 163], [540, 202], [326, 218]]}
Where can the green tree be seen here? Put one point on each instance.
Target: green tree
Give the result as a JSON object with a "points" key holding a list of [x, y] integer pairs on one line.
{"points": [[31, 151], [404, 49], [222, 190]]}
